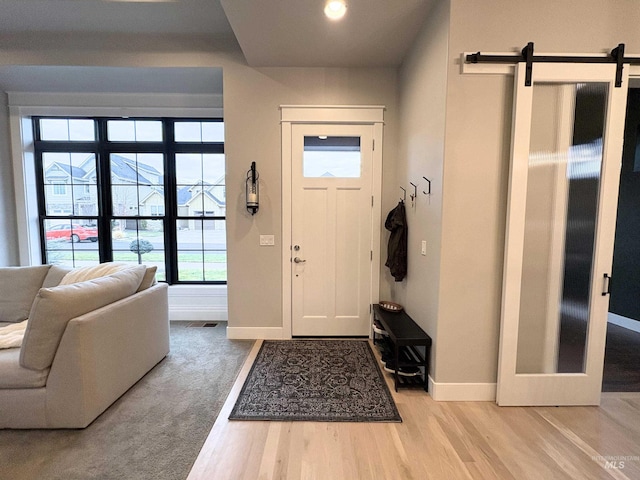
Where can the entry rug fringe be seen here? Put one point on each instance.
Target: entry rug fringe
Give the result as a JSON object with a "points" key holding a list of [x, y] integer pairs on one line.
{"points": [[315, 381]]}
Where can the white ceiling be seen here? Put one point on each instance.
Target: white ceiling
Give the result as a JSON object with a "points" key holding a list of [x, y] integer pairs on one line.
{"points": [[292, 33], [295, 33], [199, 17]]}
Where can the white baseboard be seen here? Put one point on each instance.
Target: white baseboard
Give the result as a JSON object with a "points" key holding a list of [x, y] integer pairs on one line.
{"points": [[255, 333], [624, 322], [197, 313], [198, 302], [462, 392]]}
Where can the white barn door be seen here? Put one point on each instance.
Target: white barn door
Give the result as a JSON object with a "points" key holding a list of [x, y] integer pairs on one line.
{"points": [[565, 167]]}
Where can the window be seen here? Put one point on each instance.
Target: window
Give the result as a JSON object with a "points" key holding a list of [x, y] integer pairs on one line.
{"points": [[201, 234], [326, 156], [59, 188], [146, 191], [67, 129], [134, 130], [156, 210]]}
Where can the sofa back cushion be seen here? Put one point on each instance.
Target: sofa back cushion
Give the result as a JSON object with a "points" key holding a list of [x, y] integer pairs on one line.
{"points": [[54, 307], [82, 274], [18, 288], [149, 278], [55, 275]]}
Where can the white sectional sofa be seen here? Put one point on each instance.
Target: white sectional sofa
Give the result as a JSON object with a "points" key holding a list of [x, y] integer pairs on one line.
{"points": [[86, 342]]}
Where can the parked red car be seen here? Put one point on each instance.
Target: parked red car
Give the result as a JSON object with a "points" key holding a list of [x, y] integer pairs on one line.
{"points": [[75, 233]]}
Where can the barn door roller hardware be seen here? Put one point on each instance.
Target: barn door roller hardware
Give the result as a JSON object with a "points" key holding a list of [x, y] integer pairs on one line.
{"points": [[527, 56]]}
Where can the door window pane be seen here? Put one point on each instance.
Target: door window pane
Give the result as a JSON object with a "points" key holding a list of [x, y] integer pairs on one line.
{"points": [[328, 157]]}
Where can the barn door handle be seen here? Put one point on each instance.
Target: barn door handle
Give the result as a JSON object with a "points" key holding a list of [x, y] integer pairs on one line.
{"points": [[607, 284]]}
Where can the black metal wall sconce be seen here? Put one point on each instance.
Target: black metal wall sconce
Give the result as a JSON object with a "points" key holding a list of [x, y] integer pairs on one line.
{"points": [[252, 190]]}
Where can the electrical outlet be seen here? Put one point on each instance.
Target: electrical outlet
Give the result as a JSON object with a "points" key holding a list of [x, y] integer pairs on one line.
{"points": [[267, 240], [424, 247]]}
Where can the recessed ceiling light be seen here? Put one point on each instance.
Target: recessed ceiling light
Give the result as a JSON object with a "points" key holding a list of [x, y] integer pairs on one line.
{"points": [[335, 9]]}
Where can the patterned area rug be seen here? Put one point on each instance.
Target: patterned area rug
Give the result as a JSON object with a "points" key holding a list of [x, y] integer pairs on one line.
{"points": [[315, 380]]}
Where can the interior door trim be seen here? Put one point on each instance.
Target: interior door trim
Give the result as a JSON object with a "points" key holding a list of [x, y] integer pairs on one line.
{"points": [[328, 114]]}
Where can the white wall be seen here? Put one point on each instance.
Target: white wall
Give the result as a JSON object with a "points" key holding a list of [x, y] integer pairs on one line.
{"points": [[423, 83], [251, 100], [8, 226], [478, 133]]}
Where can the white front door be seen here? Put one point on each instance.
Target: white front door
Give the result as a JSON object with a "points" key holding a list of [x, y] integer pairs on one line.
{"points": [[565, 166], [331, 229]]}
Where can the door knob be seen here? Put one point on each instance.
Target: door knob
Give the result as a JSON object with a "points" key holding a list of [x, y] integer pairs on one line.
{"points": [[299, 260]]}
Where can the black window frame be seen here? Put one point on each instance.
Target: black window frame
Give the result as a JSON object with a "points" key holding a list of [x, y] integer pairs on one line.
{"points": [[102, 148]]}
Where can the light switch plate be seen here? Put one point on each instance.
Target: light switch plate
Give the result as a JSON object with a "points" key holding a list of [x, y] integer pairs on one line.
{"points": [[267, 240], [424, 247]]}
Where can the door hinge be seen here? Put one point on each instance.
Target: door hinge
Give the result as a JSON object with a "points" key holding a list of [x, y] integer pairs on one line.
{"points": [[369, 308], [371, 255], [373, 146], [372, 200]]}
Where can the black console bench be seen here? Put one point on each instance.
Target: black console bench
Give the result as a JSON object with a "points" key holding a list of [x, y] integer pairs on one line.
{"points": [[405, 336]]}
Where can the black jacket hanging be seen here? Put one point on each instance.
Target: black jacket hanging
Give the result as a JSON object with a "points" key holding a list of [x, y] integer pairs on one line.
{"points": [[396, 223]]}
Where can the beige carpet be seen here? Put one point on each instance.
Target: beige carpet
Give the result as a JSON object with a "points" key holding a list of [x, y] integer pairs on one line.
{"points": [[154, 431]]}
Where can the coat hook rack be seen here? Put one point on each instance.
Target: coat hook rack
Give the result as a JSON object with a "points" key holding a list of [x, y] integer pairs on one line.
{"points": [[429, 189], [404, 194], [415, 191]]}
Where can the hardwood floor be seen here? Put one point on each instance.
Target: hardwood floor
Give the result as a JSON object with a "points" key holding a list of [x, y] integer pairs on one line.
{"points": [[621, 360], [437, 440]]}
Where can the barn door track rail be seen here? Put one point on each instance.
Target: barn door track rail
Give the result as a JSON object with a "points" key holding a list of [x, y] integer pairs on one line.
{"points": [[615, 56]]}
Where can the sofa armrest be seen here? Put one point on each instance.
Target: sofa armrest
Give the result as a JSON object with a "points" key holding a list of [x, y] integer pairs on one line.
{"points": [[103, 353]]}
